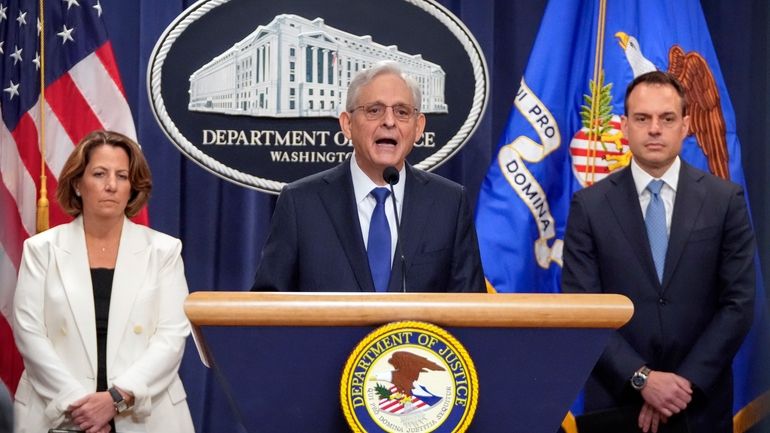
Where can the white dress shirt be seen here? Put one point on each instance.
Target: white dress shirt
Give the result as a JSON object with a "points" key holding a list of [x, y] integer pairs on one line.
{"points": [[365, 203], [668, 193]]}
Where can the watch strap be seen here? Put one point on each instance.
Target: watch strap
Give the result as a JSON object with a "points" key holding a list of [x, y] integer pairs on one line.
{"points": [[118, 401], [115, 394]]}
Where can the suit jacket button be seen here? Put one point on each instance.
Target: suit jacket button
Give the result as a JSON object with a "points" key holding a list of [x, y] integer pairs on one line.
{"points": [[662, 301], [138, 329]]}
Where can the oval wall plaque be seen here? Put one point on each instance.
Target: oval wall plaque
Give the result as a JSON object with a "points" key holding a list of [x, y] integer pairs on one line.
{"points": [[251, 90]]}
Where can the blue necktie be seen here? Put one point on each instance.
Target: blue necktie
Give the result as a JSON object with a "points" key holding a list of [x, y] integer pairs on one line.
{"points": [[655, 220], [378, 246]]}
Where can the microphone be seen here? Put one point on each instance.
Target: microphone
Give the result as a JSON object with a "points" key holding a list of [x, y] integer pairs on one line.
{"points": [[390, 175]]}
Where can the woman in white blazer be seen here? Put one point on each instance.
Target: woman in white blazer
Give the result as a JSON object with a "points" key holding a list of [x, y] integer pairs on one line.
{"points": [[98, 307]]}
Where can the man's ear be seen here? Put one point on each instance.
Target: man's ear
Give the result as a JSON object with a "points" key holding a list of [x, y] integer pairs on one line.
{"points": [[345, 124], [686, 126], [420, 126], [624, 125]]}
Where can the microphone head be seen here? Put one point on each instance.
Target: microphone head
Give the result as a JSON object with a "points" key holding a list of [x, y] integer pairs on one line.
{"points": [[390, 175]]}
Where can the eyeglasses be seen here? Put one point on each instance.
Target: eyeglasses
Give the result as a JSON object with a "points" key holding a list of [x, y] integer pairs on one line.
{"points": [[375, 111]]}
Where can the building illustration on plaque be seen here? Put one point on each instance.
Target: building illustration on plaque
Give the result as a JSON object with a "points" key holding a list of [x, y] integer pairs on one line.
{"points": [[295, 67]]}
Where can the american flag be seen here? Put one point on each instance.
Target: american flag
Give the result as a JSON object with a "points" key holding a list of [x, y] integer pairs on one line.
{"points": [[415, 404], [83, 92]]}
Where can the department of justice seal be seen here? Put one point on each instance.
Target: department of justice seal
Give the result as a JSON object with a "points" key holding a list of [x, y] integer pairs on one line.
{"points": [[409, 377]]}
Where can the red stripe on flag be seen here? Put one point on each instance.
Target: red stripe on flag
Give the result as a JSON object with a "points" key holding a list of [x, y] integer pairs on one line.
{"points": [[74, 113], [577, 151], [593, 169], [107, 57], [582, 135], [389, 405], [26, 138], [55, 213], [12, 236], [13, 233], [11, 364], [143, 217]]}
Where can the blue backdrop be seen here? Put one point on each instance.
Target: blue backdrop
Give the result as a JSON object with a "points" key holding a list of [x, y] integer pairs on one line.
{"points": [[223, 227]]}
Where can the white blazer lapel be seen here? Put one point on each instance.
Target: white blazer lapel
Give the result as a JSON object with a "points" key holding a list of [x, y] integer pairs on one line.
{"points": [[130, 270], [72, 262]]}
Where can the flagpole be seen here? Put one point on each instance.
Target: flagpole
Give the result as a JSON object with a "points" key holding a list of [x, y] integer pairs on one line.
{"points": [[42, 202], [598, 82]]}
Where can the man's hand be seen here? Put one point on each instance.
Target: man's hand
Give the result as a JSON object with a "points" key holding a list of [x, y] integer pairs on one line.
{"points": [[93, 412], [650, 419], [667, 393]]}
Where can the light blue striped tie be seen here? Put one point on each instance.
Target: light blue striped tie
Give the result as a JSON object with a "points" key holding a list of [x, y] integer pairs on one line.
{"points": [[378, 245], [655, 220]]}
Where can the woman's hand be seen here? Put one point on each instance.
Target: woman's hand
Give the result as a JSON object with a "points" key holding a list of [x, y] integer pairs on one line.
{"points": [[105, 429], [93, 412]]}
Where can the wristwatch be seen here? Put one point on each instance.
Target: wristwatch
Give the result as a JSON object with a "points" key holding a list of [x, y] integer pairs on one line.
{"points": [[117, 400], [639, 379]]}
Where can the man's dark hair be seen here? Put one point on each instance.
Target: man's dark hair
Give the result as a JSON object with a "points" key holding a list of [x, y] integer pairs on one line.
{"points": [[660, 78]]}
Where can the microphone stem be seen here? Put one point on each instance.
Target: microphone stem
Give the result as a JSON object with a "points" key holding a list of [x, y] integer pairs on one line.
{"points": [[399, 250]]}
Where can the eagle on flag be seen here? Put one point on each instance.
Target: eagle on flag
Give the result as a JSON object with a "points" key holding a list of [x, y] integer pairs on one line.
{"points": [[706, 119]]}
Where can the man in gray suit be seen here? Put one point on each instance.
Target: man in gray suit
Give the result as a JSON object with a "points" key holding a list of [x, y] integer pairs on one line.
{"points": [[336, 230], [678, 242]]}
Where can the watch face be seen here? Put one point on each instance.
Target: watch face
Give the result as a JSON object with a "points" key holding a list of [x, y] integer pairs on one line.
{"points": [[121, 406], [638, 380]]}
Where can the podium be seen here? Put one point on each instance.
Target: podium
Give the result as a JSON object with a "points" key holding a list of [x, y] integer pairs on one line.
{"points": [[532, 352]]}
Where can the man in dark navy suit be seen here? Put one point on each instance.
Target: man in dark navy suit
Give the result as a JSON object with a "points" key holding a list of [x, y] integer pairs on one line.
{"points": [[337, 231], [676, 241]]}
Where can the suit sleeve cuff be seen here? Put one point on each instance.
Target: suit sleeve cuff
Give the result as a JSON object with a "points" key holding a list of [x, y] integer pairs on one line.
{"points": [[58, 407], [142, 400]]}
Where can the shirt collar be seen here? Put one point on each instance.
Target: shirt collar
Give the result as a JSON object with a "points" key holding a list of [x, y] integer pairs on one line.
{"points": [[642, 178], [362, 185]]}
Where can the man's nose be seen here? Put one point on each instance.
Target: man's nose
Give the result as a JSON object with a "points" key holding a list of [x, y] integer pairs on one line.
{"points": [[389, 118], [654, 126]]}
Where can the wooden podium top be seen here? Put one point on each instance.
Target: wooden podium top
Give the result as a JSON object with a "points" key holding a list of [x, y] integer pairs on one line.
{"points": [[475, 310]]}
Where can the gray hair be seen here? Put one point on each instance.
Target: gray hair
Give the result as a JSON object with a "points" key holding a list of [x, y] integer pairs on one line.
{"points": [[366, 76]]}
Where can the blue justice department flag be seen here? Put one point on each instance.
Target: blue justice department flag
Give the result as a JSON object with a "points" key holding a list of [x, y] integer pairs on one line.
{"points": [[564, 134]]}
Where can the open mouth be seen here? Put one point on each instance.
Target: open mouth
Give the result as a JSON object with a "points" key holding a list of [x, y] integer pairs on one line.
{"points": [[386, 141]]}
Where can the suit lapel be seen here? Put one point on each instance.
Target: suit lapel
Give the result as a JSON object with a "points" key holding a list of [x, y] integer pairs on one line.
{"points": [[416, 209], [624, 201], [339, 201], [689, 201], [130, 269], [72, 262]]}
